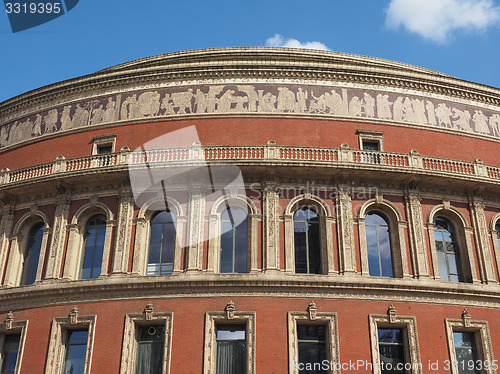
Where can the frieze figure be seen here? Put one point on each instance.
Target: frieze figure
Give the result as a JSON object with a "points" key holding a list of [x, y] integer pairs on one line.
{"points": [[398, 109], [225, 101], [50, 121], [66, 122], [495, 124], [182, 100], [110, 112], [286, 100], [253, 97], [419, 111], [355, 106], [149, 104], [267, 101], [383, 107], [212, 100], [461, 119], [481, 122], [200, 101], [369, 105], [408, 114], [443, 114], [319, 104], [431, 113], [168, 105], [3, 136], [37, 126], [97, 115], [81, 116], [301, 101]]}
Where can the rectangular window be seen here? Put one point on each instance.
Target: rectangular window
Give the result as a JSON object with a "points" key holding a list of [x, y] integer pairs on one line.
{"points": [[10, 352], [76, 351], [371, 146], [231, 349], [311, 341], [466, 351], [150, 347], [391, 348]]}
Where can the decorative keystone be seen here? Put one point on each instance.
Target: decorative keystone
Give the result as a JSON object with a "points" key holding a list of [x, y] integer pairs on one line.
{"points": [[230, 308], [9, 320], [466, 317], [312, 310], [73, 315], [391, 312], [148, 312]]}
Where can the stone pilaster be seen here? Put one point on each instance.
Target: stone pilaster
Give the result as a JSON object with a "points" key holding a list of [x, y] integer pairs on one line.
{"points": [[481, 236], [5, 230], [345, 231], [271, 229], [196, 228], [54, 261], [416, 234], [123, 232]]}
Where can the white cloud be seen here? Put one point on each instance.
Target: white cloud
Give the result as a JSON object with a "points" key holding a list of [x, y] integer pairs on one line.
{"points": [[278, 41], [438, 19]]}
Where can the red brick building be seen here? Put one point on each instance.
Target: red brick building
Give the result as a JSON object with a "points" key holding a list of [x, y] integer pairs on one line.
{"points": [[256, 210]]}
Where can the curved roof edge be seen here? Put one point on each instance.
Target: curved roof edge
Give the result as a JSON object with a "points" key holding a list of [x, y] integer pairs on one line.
{"points": [[262, 61]]}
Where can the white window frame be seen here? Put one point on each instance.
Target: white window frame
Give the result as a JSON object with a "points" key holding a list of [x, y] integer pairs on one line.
{"points": [[103, 140], [312, 317], [228, 317], [410, 338], [147, 318], [58, 338], [11, 327]]}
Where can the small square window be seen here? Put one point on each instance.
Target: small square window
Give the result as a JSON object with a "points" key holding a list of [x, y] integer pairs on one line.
{"points": [[370, 140], [104, 148], [103, 144], [371, 146]]}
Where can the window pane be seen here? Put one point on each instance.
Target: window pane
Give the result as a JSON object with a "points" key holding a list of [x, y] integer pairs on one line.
{"points": [[32, 254], [378, 245], [447, 250], [391, 349], [9, 353], [465, 349], [95, 232], [161, 244], [311, 342], [150, 346], [231, 349], [307, 241], [76, 350], [233, 241]]}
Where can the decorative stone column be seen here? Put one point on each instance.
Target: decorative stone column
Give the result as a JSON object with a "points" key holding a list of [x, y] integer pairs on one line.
{"points": [[416, 235], [5, 230], [54, 261], [345, 231], [140, 249], [43, 253], [13, 267], [480, 228], [271, 229], [72, 261], [123, 232], [196, 228]]}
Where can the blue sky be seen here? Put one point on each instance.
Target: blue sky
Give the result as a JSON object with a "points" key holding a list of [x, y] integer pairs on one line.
{"points": [[456, 37]]}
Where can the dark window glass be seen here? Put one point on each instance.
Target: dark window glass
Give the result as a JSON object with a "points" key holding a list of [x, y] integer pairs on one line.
{"points": [[93, 247], [447, 250], [76, 350], [311, 342], [150, 345], [466, 351], [231, 349], [101, 149], [497, 229], [370, 146], [392, 358], [32, 254], [307, 241], [378, 245], [161, 244], [233, 241], [10, 352]]}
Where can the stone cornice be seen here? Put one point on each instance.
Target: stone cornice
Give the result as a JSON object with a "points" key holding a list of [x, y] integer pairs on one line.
{"points": [[117, 288]]}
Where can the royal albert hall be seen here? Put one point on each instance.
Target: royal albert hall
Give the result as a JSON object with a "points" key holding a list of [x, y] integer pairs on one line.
{"points": [[251, 210]]}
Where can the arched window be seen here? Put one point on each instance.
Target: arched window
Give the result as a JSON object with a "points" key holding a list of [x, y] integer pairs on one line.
{"points": [[233, 241], [161, 244], [307, 241], [447, 250], [497, 229], [378, 243], [32, 254], [93, 247]]}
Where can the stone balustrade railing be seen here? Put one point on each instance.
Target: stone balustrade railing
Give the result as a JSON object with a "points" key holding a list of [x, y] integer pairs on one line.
{"points": [[344, 156]]}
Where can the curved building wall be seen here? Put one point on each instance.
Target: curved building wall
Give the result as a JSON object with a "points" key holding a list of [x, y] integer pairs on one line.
{"points": [[271, 132]]}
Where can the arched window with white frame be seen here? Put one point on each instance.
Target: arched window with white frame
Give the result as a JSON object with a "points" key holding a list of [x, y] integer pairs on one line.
{"points": [[234, 241], [32, 254], [379, 246], [93, 247], [307, 241], [162, 238]]}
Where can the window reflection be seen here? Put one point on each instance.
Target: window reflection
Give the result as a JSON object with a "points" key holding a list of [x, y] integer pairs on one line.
{"points": [[233, 241], [32, 254], [307, 241], [447, 250], [378, 245], [161, 244], [95, 232]]}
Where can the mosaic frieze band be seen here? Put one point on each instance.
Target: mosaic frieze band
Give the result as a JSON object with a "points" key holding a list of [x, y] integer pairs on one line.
{"points": [[252, 98]]}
